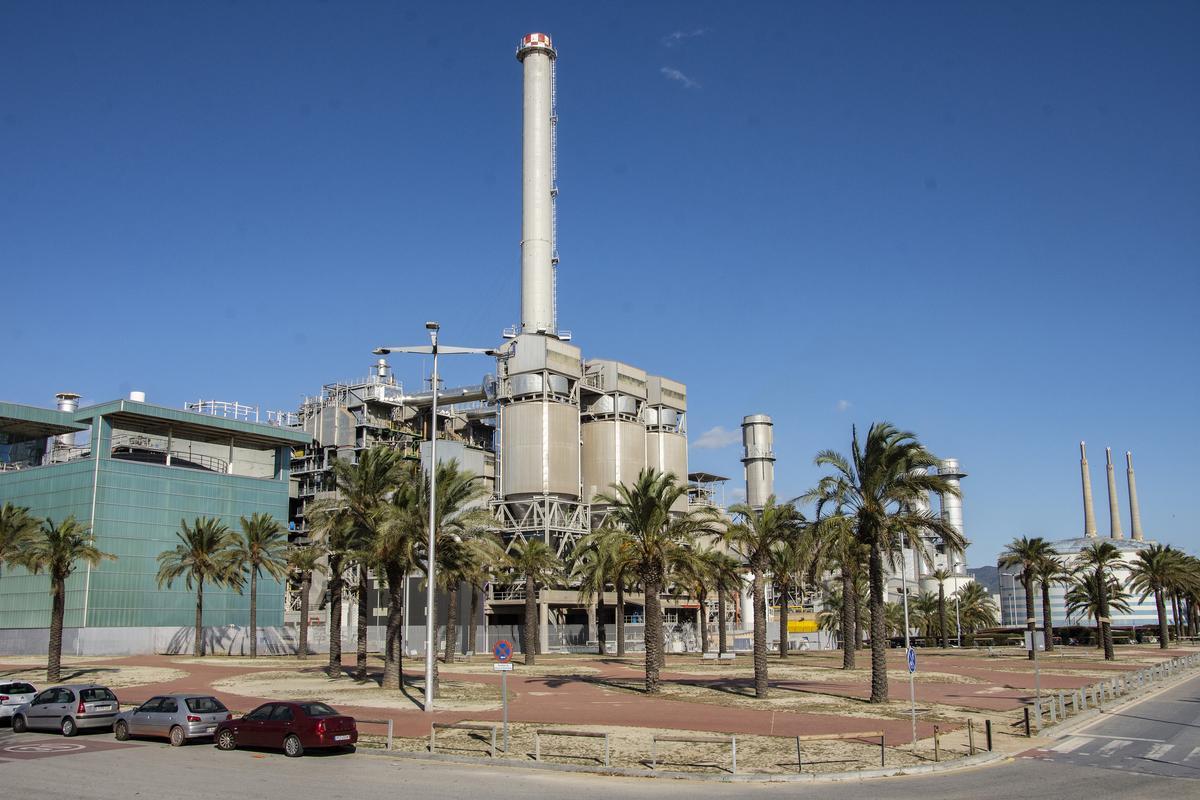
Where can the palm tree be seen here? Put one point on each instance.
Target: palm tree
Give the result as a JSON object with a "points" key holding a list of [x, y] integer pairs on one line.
{"points": [[894, 619], [259, 549], [533, 560], [925, 607], [789, 560], [1050, 570], [648, 539], [976, 610], [1155, 571], [333, 527], [304, 560], [592, 568], [403, 520], [725, 573], [1085, 598], [17, 529], [206, 553], [57, 549], [1100, 558], [835, 548], [941, 575], [1027, 553], [756, 532], [881, 485]]}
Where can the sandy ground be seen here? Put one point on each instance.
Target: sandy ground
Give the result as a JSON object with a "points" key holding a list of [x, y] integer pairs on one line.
{"points": [[541, 670], [112, 677], [312, 684], [41, 660], [631, 748], [262, 662], [777, 670]]}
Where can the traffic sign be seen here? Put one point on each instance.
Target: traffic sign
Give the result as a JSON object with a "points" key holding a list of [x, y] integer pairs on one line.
{"points": [[912, 660], [503, 666], [503, 651]]}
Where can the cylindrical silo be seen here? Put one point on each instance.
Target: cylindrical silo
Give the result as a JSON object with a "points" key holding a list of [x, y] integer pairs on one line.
{"points": [[536, 53], [666, 430], [758, 440], [612, 427], [67, 402], [952, 512]]}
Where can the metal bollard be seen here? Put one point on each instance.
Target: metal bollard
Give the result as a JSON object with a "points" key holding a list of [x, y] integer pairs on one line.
{"points": [[937, 744], [1053, 711], [970, 737], [1062, 704], [987, 729]]}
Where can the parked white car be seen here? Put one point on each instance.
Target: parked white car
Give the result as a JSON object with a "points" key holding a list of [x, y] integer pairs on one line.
{"points": [[13, 694]]}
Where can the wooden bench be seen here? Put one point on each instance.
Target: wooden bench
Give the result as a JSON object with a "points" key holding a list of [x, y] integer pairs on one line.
{"points": [[729, 740], [540, 732], [460, 726], [839, 736]]}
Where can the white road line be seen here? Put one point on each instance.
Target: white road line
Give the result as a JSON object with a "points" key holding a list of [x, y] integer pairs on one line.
{"points": [[1113, 746], [1126, 738], [1194, 755], [1156, 753], [1067, 745]]}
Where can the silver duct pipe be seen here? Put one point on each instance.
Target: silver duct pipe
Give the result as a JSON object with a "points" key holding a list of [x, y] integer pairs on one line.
{"points": [[537, 55], [758, 441], [66, 402], [1114, 508], [1089, 513], [952, 511], [1135, 514]]}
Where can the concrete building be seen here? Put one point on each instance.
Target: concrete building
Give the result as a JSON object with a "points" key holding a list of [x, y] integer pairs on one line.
{"points": [[132, 471]]}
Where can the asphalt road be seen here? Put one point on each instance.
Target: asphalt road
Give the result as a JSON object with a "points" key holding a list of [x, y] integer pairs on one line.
{"points": [[1085, 771]]}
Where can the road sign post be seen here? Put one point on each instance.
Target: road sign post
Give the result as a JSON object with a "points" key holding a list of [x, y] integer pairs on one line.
{"points": [[503, 651], [1032, 644]]}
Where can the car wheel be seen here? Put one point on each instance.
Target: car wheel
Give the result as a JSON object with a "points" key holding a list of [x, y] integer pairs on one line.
{"points": [[19, 724], [121, 731], [226, 740], [178, 738], [292, 747], [68, 727]]}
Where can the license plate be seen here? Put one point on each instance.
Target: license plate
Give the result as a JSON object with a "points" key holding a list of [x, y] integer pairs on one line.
{"points": [[103, 708], [211, 729], [343, 738]]}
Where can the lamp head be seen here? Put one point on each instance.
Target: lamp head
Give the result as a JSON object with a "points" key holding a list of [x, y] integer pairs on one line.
{"points": [[381, 351], [432, 326]]}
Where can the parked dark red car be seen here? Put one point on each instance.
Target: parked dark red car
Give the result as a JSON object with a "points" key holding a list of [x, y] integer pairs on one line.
{"points": [[292, 727]]}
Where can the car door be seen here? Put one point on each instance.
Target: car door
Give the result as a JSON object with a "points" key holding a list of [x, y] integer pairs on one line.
{"points": [[164, 718], [38, 708], [61, 705], [278, 726], [249, 728], [142, 719]]}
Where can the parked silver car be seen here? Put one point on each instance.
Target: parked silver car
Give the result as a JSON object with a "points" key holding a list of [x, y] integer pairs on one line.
{"points": [[12, 695], [68, 709], [177, 717]]}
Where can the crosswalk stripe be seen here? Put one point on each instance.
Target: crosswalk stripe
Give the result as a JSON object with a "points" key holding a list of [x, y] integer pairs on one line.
{"points": [[1113, 746], [1158, 751], [1067, 745], [1194, 755]]}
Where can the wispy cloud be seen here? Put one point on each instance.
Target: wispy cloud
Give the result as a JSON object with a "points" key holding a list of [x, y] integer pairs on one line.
{"points": [[676, 38], [716, 438], [737, 495], [842, 406], [675, 75]]}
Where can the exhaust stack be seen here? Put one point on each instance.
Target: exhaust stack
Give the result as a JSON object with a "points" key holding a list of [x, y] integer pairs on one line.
{"points": [[952, 512], [67, 402], [758, 438], [1114, 508], [1089, 513], [1135, 514], [538, 255]]}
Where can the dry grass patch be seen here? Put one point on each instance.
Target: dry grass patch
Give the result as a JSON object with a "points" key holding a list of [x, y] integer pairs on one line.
{"points": [[114, 677], [313, 684]]}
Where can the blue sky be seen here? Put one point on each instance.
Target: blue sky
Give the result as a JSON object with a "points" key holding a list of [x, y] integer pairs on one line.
{"points": [[978, 221]]}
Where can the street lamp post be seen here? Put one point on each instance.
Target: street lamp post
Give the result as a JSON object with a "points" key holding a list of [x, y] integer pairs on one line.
{"points": [[912, 689], [431, 560], [1012, 598]]}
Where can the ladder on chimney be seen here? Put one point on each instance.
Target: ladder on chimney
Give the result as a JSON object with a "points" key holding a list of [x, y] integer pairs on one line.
{"points": [[554, 192]]}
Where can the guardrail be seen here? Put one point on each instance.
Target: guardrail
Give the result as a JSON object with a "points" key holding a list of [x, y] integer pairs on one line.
{"points": [[540, 732], [459, 726], [730, 740], [839, 736], [390, 726]]}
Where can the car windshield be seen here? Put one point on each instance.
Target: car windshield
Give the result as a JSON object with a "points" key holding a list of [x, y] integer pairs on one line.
{"points": [[317, 710], [204, 705], [96, 695], [17, 688]]}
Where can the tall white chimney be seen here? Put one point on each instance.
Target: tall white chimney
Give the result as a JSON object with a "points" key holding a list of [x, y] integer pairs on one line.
{"points": [[538, 255], [1135, 514], [952, 511], [1089, 513], [1114, 508], [758, 443]]}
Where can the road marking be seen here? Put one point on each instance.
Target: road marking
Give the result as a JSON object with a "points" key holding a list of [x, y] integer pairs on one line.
{"points": [[1192, 755], [1156, 753], [1074, 743], [1126, 738], [1113, 746], [46, 747]]}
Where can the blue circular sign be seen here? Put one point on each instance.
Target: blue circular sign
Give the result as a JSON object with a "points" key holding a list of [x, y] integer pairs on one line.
{"points": [[912, 660], [503, 650]]}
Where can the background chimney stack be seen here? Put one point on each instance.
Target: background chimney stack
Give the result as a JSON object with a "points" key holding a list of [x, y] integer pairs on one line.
{"points": [[1114, 507], [1135, 515], [1089, 513]]}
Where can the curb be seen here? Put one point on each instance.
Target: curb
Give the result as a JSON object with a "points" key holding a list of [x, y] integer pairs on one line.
{"points": [[1067, 727], [807, 777]]}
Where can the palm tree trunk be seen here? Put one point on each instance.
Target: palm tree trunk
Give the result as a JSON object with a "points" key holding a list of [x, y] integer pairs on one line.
{"points": [[761, 688], [942, 613], [473, 625], [198, 645], [721, 628], [849, 620], [305, 587], [702, 619], [1175, 614], [364, 612], [1105, 624], [1047, 620], [253, 613], [58, 609], [879, 679], [653, 635], [620, 614], [860, 641], [334, 669], [530, 632], [1030, 623], [1164, 634], [452, 622], [601, 633], [392, 675], [783, 621]]}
